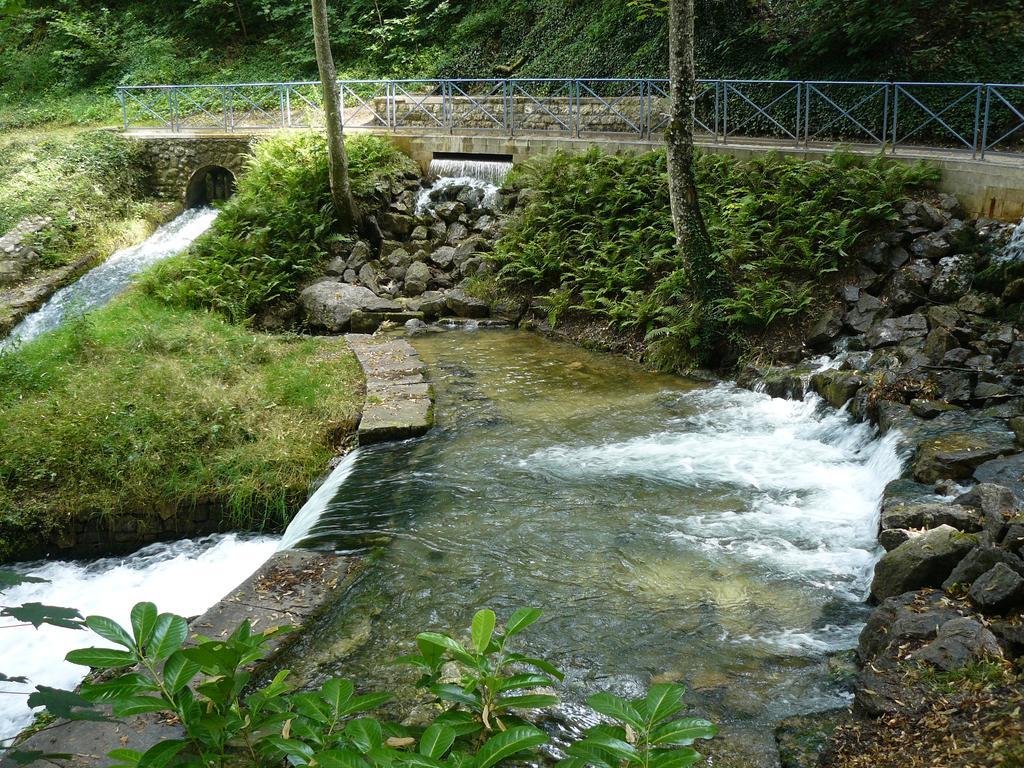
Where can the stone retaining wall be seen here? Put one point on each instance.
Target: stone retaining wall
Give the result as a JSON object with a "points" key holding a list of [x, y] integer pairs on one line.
{"points": [[17, 249], [173, 160]]}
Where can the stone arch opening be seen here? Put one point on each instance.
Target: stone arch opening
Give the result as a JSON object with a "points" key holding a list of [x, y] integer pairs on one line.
{"points": [[209, 184]]}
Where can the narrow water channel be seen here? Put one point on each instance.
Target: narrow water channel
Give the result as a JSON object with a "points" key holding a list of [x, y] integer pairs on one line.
{"points": [[669, 529]]}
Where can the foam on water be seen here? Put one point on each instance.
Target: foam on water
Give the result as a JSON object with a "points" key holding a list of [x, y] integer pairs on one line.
{"points": [[812, 482], [97, 286], [1014, 249], [184, 577]]}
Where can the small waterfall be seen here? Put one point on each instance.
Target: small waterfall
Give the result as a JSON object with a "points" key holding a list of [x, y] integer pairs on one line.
{"points": [[311, 511], [184, 577], [1014, 249], [455, 174], [100, 284], [492, 171]]}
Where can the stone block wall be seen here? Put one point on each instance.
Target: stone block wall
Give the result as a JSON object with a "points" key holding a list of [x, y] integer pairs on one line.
{"points": [[17, 249], [173, 160]]}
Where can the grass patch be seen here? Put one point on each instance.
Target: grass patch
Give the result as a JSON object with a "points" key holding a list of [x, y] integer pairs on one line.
{"points": [[594, 235], [139, 407], [274, 232], [90, 183]]}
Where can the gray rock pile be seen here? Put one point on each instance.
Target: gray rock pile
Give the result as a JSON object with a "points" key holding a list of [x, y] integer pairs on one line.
{"points": [[431, 242]]}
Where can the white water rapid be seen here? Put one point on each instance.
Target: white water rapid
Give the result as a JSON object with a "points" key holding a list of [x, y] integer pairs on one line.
{"points": [[485, 175], [97, 286], [1014, 249], [184, 577], [807, 481]]}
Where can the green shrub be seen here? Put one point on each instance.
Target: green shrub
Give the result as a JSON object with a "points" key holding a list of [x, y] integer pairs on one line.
{"points": [[594, 233], [273, 233]]}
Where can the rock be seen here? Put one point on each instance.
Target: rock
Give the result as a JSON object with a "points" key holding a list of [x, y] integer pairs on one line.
{"points": [[957, 454], [850, 294], [416, 278], [1010, 634], [930, 515], [950, 205], [890, 538], [836, 386], [420, 233], [934, 245], [1008, 472], [959, 642], [980, 560], [877, 255], [336, 267], [825, 329], [469, 248], [954, 386], [801, 739], [1013, 538], [432, 304], [1013, 293], [996, 503], [457, 232], [865, 313], [398, 258], [952, 278], [938, 342], [359, 255], [329, 304], [977, 304], [896, 330], [908, 616], [438, 233], [464, 305], [922, 561], [929, 409], [443, 256], [398, 226], [450, 211], [997, 590], [944, 316], [369, 275], [1015, 357]]}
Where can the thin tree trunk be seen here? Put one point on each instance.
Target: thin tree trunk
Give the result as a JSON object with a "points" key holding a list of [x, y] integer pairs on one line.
{"points": [[341, 191], [707, 281]]}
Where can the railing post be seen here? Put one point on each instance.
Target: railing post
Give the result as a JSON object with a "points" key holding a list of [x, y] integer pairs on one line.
{"points": [[796, 128], [124, 109], [224, 106], [885, 113], [984, 125], [977, 120], [280, 105], [725, 111], [288, 105], [718, 107], [579, 117], [895, 114], [807, 115], [510, 120]]}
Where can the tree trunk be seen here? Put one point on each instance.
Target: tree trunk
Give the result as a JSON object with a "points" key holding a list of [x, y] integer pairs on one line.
{"points": [[341, 191], [707, 280]]}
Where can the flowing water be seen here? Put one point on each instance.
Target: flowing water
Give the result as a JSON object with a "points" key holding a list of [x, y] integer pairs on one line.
{"points": [[98, 286], [1014, 249], [670, 530], [184, 577], [485, 175]]}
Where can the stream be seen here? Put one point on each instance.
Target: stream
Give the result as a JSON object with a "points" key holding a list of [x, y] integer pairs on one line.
{"points": [[669, 529]]}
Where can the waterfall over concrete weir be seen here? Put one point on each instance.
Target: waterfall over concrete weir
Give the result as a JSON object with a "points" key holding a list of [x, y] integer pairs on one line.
{"points": [[1014, 249], [99, 285], [487, 168]]}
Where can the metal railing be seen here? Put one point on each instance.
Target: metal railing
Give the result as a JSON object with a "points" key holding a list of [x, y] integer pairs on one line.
{"points": [[978, 118]]}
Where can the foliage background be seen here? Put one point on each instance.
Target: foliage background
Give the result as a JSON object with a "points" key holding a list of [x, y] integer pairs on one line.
{"points": [[62, 57]]}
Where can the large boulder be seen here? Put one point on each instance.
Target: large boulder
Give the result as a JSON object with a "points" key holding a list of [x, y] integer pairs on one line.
{"points": [[1008, 472], [866, 312], [995, 502], [956, 455], [462, 304], [980, 560], [959, 642], [998, 589], [896, 330], [417, 276], [397, 226], [930, 515], [329, 304], [923, 561], [952, 278], [836, 386]]}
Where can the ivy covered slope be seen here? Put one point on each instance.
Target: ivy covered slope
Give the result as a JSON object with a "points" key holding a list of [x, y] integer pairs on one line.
{"points": [[592, 240], [156, 413], [62, 57]]}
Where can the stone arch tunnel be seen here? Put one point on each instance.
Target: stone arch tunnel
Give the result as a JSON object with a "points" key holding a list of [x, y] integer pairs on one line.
{"points": [[194, 170]]}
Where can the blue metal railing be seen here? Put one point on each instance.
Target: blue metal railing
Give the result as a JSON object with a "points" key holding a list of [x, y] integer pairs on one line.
{"points": [[979, 118]]}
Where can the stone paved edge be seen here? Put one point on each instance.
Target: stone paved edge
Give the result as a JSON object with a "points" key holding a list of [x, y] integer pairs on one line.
{"points": [[292, 587], [399, 400]]}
